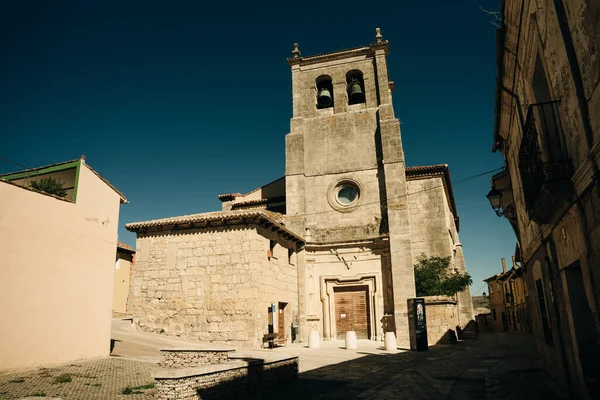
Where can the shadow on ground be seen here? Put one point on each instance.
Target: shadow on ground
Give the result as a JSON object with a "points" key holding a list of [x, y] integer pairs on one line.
{"points": [[495, 366]]}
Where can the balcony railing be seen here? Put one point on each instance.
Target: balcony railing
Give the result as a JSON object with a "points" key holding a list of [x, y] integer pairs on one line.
{"points": [[545, 166]]}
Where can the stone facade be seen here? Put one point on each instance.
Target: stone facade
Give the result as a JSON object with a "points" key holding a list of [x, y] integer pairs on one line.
{"points": [[213, 284], [442, 319], [434, 226], [189, 357], [508, 300], [226, 381], [360, 218], [369, 243], [547, 127]]}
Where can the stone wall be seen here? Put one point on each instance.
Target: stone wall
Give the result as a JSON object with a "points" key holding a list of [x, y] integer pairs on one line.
{"points": [[212, 284], [431, 234], [558, 43], [224, 381], [442, 319], [190, 357], [434, 231], [359, 143]]}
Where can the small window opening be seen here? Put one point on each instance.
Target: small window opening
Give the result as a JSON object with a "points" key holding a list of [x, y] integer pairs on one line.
{"points": [[324, 92], [355, 86], [290, 256]]}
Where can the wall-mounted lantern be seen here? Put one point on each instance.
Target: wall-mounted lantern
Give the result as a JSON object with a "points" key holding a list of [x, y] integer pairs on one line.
{"points": [[495, 197]]}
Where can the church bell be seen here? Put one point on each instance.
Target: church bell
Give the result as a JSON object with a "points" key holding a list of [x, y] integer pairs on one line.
{"points": [[356, 93], [324, 98]]}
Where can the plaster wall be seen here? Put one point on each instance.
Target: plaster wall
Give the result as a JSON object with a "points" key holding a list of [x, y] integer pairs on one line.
{"points": [[57, 298], [122, 277]]}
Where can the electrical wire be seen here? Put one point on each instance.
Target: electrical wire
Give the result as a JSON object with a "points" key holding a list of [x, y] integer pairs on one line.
{"points": [[14, 163], [474, 293]]}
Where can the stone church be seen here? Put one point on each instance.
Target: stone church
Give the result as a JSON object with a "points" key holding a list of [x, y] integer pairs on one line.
{"points": [[329, 246]]}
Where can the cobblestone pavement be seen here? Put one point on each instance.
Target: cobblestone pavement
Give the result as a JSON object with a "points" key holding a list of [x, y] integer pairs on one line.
{"points": [[101, 379], [495, 366]]}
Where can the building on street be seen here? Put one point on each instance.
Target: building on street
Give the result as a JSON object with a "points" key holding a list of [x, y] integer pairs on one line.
{"points": [[125, 259], [330, 246], [507, 296], [547, 127], [56, 253]]}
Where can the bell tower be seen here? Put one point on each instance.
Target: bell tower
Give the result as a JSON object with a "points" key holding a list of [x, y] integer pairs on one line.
{"points": [[346, 193]]}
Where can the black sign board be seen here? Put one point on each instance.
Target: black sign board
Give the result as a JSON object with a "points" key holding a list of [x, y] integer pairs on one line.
{"points": [[417, 324]]}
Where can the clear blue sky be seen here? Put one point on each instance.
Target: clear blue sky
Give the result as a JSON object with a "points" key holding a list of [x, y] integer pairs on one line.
{"points": [[175, 102]]}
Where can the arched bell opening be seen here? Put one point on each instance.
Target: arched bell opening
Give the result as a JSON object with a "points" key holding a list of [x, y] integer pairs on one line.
{"points": [[355, 86], [324, 92]]}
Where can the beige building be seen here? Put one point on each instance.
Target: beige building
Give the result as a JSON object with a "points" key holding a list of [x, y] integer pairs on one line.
{"points": [[547, 127], [508, 300], [122, 279], [348, 212], [55, 287]]}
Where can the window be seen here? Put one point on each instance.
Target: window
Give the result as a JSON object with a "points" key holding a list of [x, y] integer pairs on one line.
{"points": [[543, 313], [324, 92], [355, 86], [494, 314], [344, 195], [543, 156], [347, 194]]}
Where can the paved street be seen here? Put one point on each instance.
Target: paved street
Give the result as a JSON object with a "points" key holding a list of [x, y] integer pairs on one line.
{"points": [[495, 366]]}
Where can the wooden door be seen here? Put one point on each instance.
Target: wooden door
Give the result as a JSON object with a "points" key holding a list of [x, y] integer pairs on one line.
{"points": [[281, 320], [352, 311]]}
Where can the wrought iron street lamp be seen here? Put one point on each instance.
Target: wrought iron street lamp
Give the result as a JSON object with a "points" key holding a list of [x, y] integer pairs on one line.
{"points": [[495, 197]]}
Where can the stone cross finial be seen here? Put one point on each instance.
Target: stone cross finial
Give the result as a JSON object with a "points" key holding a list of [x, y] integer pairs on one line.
{"points": [[296, 51], [378, 36]]}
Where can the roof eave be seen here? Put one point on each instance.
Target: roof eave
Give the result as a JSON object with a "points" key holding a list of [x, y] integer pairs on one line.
{"points": [[257, 218]]}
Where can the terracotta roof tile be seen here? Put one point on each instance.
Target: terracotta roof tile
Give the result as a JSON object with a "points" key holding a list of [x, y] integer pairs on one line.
{"points": [[272, 217], [121, 245], [229, 196], [426, 169]]}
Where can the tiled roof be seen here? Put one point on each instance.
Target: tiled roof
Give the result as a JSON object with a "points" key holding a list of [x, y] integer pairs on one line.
{"points": [[264, 216], [426, 169], [229, 196], [250, 202], [491, 278], [278, 199], [123, 246]]}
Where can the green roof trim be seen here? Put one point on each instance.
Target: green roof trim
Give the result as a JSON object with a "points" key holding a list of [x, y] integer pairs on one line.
{"points": [[76, 180], [40, 171]]}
